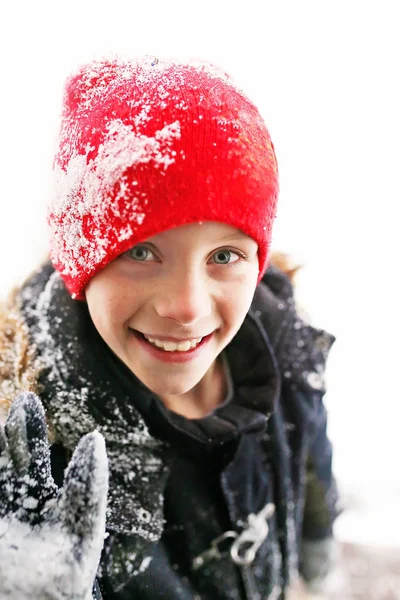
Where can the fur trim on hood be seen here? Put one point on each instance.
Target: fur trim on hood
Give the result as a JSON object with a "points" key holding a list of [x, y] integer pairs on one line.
{"points": [[18, 372]]}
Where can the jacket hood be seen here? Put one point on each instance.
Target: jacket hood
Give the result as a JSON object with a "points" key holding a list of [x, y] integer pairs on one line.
{"points": [[66, 362]]}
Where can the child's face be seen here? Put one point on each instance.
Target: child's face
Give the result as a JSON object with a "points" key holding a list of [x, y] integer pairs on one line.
{"points": [[194, 281]]}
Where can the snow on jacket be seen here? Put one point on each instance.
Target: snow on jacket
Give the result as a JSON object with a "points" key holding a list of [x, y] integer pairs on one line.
{"points": [[213, 508]]}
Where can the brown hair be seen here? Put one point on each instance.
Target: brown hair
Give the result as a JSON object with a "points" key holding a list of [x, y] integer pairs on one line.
{"points": [[284, 262]]}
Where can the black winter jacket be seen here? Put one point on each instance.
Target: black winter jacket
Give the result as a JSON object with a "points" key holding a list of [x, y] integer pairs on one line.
{"points": [[212, 508]]}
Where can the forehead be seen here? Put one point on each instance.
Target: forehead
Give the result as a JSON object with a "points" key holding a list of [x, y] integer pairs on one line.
{"points": [[207, 231]]}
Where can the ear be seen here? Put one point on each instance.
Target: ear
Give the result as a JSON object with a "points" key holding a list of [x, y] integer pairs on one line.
{"points": [[84, 495]]}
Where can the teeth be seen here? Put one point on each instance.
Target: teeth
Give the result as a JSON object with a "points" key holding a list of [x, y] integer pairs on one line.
{"points": [[172, 346]]}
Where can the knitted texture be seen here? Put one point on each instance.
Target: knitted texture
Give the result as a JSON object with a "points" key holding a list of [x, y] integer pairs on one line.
{"points": [[148, 145]]}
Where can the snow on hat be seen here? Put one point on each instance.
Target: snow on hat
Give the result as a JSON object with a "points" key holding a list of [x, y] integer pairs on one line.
{"points": [[147, 145]]}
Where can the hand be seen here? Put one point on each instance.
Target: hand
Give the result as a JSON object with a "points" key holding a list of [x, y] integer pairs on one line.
{"points": [[317, 560], [50, 539]]}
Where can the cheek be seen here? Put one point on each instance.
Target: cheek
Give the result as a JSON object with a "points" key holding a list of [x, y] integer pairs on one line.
{"points": [[245, 286], [237, 301], [106, 311]]}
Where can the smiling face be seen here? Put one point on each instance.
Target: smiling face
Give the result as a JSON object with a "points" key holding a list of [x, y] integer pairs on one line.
{"points": [[152, 304]]}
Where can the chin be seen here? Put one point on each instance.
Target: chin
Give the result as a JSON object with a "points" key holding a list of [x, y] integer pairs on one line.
{"points": [[170, 388]]}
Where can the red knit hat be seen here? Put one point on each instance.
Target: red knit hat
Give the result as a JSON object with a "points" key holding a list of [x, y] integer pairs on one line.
{"points": [[148, 145]]}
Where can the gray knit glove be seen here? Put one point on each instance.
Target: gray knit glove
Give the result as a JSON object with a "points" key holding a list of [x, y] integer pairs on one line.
{"points": [[50, 539], [317, 559]]}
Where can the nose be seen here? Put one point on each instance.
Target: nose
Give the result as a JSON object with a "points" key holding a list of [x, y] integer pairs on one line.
{"points": [[185, 297]]}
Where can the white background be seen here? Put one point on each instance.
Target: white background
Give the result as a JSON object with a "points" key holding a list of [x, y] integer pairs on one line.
{"points": [[325, 75]]}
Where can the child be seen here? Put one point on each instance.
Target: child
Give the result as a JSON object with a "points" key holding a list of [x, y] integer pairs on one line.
{"points": [[159, 324]]}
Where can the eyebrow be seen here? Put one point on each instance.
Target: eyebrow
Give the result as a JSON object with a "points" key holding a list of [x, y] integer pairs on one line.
{"points": [[237, 236]]}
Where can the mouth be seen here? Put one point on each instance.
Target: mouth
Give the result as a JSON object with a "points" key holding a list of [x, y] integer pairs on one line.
{"points": [[172, 349]]}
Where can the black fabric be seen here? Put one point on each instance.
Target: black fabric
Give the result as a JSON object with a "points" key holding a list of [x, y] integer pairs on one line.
{"points": [[198, 509]]}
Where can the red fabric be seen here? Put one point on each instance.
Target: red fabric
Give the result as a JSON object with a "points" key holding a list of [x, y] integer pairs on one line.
{"points": [[149, 145]]}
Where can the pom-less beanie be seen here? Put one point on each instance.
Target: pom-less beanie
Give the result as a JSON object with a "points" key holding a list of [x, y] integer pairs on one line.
{"points": [[147, 145]]}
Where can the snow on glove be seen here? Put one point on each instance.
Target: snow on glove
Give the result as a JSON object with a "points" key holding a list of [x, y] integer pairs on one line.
{"points": [[50, 539], [318, 558]]}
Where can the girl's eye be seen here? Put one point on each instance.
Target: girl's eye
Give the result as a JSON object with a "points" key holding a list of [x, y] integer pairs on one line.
{"points": [[140, 253], [225, 257]]}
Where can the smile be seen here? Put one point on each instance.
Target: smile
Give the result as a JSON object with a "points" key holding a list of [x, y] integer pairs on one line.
{"points": [[169, 351], [173, 346]]}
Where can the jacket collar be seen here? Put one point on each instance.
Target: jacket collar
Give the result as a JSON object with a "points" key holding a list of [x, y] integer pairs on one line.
{"points": [[253, 372]]}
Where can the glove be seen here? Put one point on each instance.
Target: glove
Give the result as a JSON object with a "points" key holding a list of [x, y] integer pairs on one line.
{"points": [[50, 539], [318, 558]]}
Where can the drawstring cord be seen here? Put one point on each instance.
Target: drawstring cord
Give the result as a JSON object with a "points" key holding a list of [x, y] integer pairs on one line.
{"points": [[245, 545]]}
